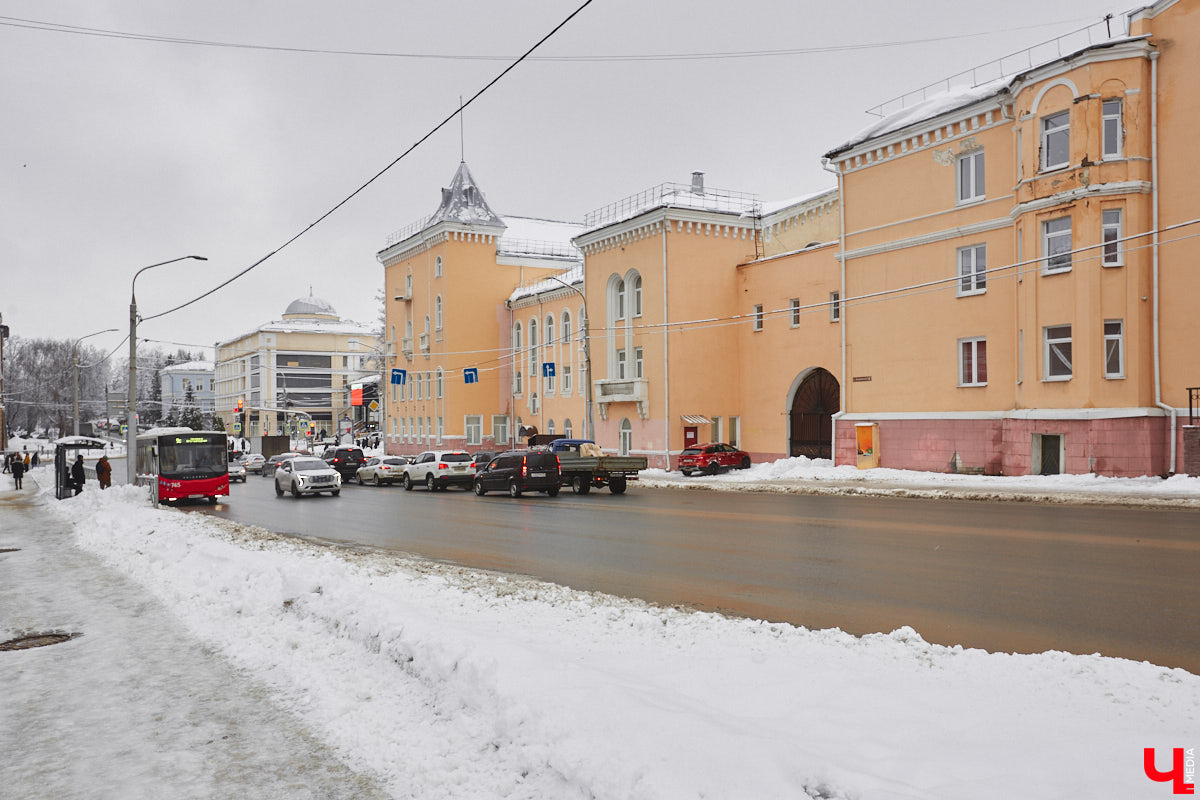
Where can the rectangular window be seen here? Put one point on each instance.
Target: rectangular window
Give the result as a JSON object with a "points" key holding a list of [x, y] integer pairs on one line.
{"points": [[473, 424], [1110, 231], [621, 364], [517, 383], [1056, 140], [1057, 352], [566, 380], [972, 270], [1056, 244], [550, 384], [794, 305], [735, 430], [440, 429], [1114, 348], [970, 177], [637, 363], [1114, 132], [758, 317], [835, 306], [972, 362], [500, 429], [715, 432]]}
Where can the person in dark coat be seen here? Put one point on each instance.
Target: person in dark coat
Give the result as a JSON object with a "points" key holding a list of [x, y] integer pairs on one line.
{"points": [[34, 460], [78, 478], [18, 471]]}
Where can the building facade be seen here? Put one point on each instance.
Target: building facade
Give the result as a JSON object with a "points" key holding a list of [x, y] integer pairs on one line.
{"points": [[294, 368], [194, 378], [1001, 282]]}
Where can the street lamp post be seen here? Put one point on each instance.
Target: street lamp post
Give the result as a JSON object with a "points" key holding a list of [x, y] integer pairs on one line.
{"points": [[131, 415], [75, 361], [587, 359]]}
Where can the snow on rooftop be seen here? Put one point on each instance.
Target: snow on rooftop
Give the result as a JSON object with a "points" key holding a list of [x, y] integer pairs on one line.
{"points": [[190, 366], [770, 207], [541, 238], [572, 276], [935, 106]]}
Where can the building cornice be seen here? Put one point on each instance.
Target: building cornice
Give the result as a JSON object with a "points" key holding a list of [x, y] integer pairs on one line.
{"points": [[438, 233], [973, 229], [671, 220], [1071, 195]]}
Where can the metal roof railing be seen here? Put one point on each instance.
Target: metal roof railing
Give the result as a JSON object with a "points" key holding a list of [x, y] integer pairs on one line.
{"points": [[1005, 66], [676, 195]]}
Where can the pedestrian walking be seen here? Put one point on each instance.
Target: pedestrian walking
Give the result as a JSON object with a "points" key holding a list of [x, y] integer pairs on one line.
{"points": [[25, 460], [78, 478], [104, 472], [18, 471], [34, 460], [8, 462]]}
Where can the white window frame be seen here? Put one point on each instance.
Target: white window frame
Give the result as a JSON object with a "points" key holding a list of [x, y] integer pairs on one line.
{"points": [[566, 381], [637, 295], [473, 428], [440, 429], [758, 317], [735, 431], [835, 306], [972, 270], [437, 267], [440, 382], [1112, 122], [621, 363], [1052, 348], [500, 429], [971, 377], [550, 384], [550, 427], [437, 312], [517, 384], [794, 307], [1049, 240], [620, 300], [1114, 337], [1112, 250], [969, 169], [625, 436], [1052, 127], [568, 429], [638, 363]]}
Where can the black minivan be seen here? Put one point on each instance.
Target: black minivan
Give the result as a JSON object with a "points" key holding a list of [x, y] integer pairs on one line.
{"points": [[520, 471]]}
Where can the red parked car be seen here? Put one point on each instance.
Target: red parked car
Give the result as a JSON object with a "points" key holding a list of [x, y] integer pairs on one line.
{"points": [[711, 458]]}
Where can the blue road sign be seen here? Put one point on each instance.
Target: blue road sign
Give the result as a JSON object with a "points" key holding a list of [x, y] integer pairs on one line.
{"points": [[471, 375], [399, 376], [547, 369]]}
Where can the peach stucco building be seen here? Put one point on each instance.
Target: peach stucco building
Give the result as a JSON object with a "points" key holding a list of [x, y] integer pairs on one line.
{"points": [[1002, 281]]}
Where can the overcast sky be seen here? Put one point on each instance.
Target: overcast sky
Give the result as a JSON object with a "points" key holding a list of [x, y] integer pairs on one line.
{"points": [[116, 153]]}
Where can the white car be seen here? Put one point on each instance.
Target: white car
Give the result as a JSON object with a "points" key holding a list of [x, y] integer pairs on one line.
{"points": [[237, 471], [438, 469], [306, 475], [380, 470]]}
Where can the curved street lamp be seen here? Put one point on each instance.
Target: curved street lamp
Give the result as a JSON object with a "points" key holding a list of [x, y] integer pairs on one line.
{"points": [[75, 362], [587, 359], [131, 415]]}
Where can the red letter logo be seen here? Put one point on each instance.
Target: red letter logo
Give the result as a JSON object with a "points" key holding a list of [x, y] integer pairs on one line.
{"points": [[1175, 775]]}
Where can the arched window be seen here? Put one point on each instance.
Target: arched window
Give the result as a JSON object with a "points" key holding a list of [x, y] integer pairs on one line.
{"points": [[620, 300], [533, 350], [440, 382], [567, 429], [637, 295], [517, 383], [437, 311], [549, 329], [626, 437], [550, 427], [533, 403], [437, 267], [566, 327]]}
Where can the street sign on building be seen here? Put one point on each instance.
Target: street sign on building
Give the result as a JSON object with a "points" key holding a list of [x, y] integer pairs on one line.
{"points": [[547, 369], [399, 376], [471, 375]]}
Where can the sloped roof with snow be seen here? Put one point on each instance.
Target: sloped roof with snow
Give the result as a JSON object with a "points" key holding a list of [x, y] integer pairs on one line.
{"points": [[463, 202], [539, 238], [572, 277]]}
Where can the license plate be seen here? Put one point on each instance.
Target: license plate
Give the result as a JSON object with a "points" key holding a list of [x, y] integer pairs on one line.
{"points": [[537, 474]]}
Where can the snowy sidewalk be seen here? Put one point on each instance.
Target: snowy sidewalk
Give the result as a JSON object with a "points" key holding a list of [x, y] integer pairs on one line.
{"points": [[134, 707]]}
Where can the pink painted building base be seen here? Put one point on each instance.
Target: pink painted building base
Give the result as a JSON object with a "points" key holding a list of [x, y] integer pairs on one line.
{"points": [[1118, 447]]}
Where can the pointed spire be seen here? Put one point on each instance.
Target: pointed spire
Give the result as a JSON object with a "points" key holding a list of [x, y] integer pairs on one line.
{"points": [[463, 202]]}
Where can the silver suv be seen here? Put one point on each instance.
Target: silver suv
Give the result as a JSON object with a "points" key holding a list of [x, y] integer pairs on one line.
{"points": [[306, 475], [438, 469]]}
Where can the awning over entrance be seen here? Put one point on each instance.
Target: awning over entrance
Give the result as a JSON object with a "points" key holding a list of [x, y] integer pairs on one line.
{"points": [[695, 419]]}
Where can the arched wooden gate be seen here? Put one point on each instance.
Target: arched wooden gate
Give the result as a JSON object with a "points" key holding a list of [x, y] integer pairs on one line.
{"points": [[816, 400]]}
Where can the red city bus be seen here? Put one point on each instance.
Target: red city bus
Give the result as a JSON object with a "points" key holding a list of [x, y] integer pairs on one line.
{"points": [[183, 464]]}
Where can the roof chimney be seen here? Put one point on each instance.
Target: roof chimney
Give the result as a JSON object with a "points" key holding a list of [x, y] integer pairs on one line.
{"points": [[697, 183]]}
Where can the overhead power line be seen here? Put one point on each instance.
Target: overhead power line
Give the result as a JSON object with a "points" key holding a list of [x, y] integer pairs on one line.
{"points": [[80, 30], [461, 108]]}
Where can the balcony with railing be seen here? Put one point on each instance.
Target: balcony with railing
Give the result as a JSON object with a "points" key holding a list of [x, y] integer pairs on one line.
{"points": [[406, 346]]}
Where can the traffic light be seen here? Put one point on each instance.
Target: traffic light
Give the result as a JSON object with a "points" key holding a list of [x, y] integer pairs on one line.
{"points": [[239, 406]]}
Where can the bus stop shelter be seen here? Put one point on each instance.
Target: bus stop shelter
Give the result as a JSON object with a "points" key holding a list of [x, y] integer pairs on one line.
{"points": [[65, 450]]}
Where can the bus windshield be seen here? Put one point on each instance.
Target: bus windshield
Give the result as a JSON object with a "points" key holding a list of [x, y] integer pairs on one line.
{"points": [[192, 456]]}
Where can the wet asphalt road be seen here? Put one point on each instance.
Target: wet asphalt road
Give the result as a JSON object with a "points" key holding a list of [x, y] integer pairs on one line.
{"points": [[1013, 577]]}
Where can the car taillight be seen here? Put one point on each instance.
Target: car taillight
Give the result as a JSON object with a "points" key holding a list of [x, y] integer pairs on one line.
{"points": [[472, 465], [336, 460], [443, 466], [557, 463], [524, 467]]}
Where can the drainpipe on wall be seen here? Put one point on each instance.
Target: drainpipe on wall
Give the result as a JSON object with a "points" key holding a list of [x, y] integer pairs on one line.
{"points": [[1158, 401], [841, 303], [666, 346]]}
